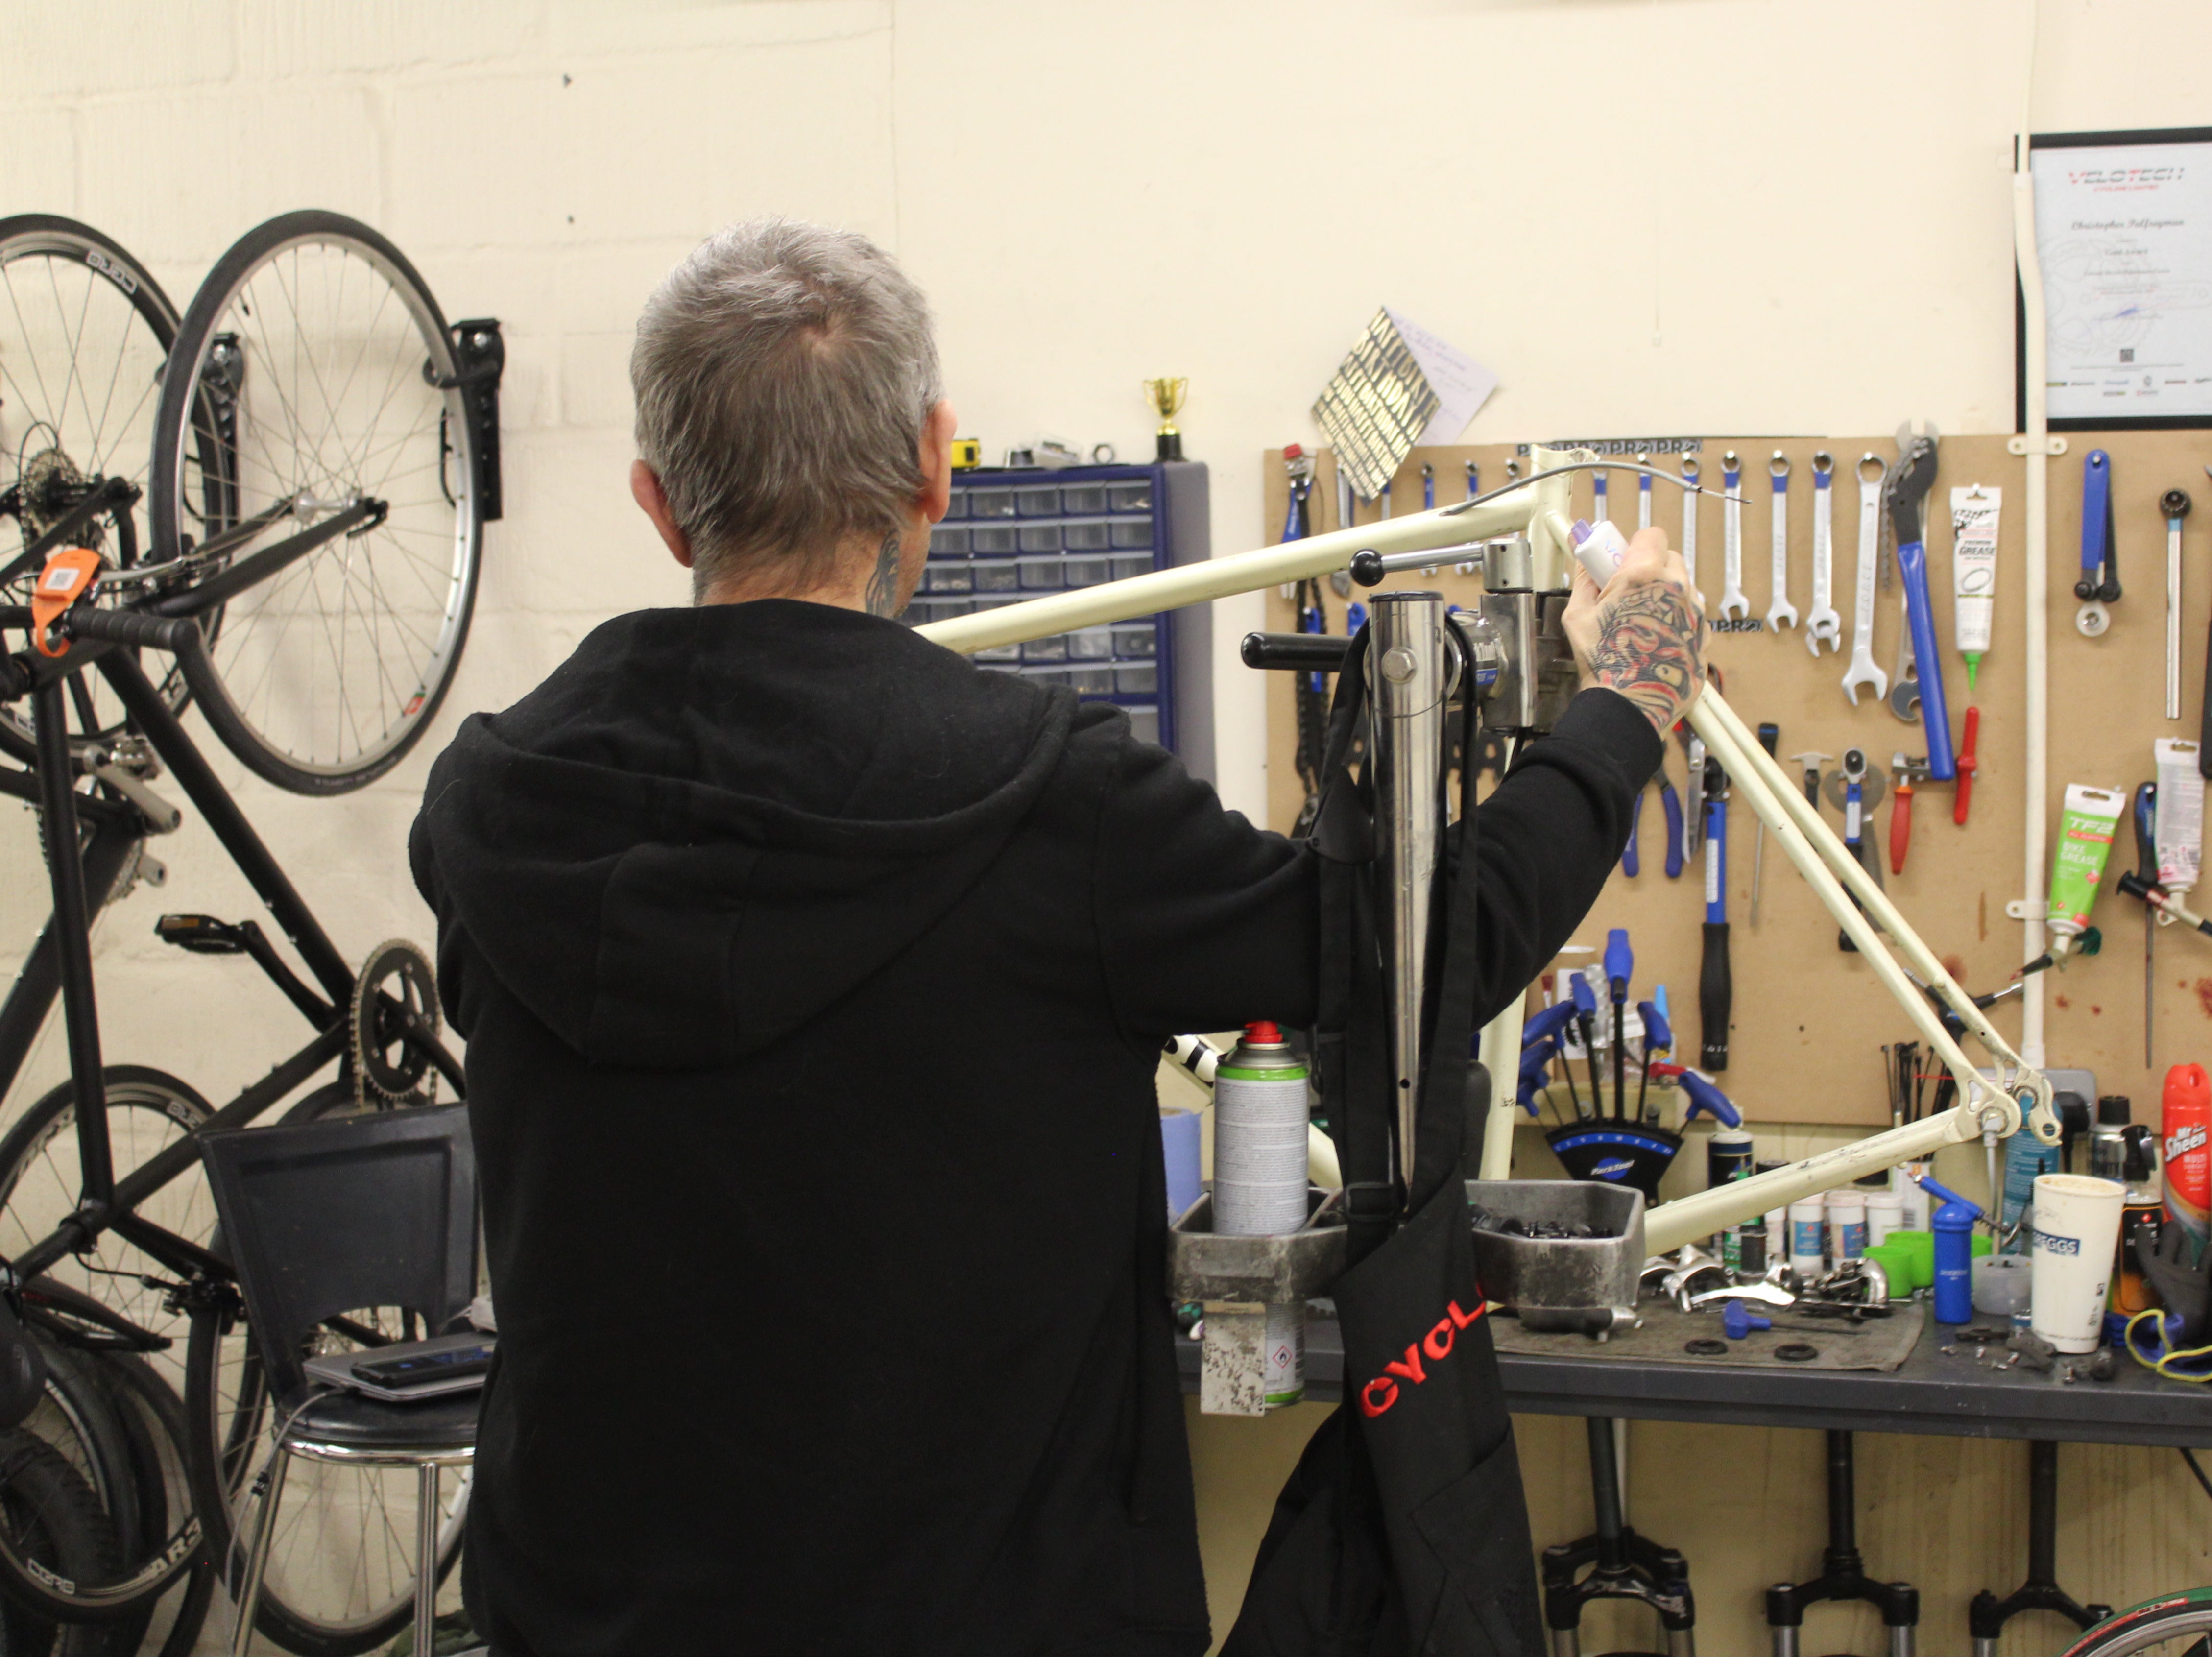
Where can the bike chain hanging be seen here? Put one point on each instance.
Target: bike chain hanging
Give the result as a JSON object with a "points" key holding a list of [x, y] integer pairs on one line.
{"points": [[394, 999]]}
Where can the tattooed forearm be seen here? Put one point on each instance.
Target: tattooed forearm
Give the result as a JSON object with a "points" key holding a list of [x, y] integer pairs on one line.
{"points": [[882, 584], [1650, 648]]}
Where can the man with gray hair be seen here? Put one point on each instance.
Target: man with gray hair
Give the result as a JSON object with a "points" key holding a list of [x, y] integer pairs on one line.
{"points": [[814, 982]]}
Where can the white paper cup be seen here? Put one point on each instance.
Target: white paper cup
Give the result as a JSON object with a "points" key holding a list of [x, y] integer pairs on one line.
{"points": [[2077, 1236]]}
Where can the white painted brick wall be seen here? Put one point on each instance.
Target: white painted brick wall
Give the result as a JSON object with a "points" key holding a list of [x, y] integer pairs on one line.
{"points": [[1090, 194]]}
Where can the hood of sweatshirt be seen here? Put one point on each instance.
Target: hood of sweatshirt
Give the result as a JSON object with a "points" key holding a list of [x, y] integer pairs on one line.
{"points": [[708, 825]]}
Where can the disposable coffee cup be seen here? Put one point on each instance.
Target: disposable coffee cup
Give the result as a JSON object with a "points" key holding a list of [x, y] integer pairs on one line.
{"points": [[2078, 1236]]}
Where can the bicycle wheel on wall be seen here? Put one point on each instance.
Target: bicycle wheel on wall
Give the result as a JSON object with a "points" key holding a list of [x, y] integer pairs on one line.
{"points": [[312, 374], [84, 334]]}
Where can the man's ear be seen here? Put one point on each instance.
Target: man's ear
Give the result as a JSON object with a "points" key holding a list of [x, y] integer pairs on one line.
{"points": [[937, 460], [653, 500]]}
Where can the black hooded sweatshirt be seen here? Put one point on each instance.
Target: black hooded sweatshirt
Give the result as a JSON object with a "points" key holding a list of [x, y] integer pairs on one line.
{"points": [[814, 982]]}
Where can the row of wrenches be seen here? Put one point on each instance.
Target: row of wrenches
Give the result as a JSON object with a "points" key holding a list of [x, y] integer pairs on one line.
{"points": [[1823, 624]]}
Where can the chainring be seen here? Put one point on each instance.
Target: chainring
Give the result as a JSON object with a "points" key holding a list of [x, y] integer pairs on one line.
{"points": [[395, 995]]}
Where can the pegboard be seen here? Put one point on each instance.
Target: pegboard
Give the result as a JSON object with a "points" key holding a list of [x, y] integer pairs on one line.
{"points": [[1809, 1019]]}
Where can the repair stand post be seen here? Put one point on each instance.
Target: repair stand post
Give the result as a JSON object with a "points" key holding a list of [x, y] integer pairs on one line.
{"points": [[1986, 1614], [1623, 1565], [1406, 664], [1842, 1575]]}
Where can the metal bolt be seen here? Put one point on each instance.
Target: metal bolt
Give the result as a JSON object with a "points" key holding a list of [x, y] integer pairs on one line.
{"points": [[1398, 664]]}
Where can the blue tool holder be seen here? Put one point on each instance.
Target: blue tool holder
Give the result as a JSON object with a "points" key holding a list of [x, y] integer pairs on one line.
{"points": [[1014, 533]]}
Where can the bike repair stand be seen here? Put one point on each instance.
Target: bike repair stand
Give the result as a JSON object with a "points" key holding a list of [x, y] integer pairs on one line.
{"points": [[1986, 1615], [1623, 1565], [1842, 1575]]}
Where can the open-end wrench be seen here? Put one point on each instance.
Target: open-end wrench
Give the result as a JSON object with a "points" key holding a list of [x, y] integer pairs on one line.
{"points": [[1862, 671], [1780, 612], [1643, 493], [1734, 607], [1905, 689], [1690, 518], [1823, 626]]}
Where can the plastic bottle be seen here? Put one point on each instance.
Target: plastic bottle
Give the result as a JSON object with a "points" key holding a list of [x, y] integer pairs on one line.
{"points": [[2025, 1158], [2141, 1211], [1847, 1225], [1954, 1226], [1728, 1156], [1808, 1235], [2108, 1146], [2184, 1119]]}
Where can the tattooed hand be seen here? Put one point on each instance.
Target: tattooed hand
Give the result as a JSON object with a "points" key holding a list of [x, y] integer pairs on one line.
{"points": [[1644, 635]]}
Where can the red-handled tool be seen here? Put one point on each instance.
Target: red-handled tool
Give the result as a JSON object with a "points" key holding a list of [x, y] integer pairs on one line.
{"points": [[1908, 771], [1966, 766]]}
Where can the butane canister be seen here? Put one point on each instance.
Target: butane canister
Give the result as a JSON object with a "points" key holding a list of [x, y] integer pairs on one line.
{"points": [[1259, 1115]]}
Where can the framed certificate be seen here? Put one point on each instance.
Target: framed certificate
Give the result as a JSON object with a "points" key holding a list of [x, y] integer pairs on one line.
{"points": [[2124, 233]]}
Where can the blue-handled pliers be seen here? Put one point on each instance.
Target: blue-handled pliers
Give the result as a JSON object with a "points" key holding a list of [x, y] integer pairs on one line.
{"points": [[1671, 802]]}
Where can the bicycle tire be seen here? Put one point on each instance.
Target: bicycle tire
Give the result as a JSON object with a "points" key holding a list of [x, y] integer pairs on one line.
{"points": [[89, 444], [232, 679], [106, 1438], [2147, 1627], [153, 1418], [50, 1513], [40, 1177], [227, 1429]]}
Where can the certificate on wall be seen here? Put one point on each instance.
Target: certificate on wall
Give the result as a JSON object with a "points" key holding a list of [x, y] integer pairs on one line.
{"points": [[2124, 232]]}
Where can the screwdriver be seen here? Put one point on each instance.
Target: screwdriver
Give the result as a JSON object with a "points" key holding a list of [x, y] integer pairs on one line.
{"points": [[2145, 816], [1619, 964], [1657, 1039], [1585, 1026], [1714, 993]]}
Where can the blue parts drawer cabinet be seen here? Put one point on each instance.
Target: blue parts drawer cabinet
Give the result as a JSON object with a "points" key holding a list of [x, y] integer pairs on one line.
{"points": [[1017, 534]]}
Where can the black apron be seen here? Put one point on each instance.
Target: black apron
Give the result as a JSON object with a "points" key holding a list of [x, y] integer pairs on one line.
{"points": [[1404, 1527]]}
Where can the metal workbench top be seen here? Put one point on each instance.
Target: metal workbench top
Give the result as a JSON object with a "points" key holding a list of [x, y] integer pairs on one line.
{"points": [[1930, 1392]]}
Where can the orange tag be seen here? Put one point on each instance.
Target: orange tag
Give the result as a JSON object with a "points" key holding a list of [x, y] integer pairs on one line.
{"points": [[69, 573]]}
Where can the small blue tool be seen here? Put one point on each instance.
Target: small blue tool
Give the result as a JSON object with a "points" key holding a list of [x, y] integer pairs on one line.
{"points": [[1586, 1027], [1738, 1320], [1619, 967]]}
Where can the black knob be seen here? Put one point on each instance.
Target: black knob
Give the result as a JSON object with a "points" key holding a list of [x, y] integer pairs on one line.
{"points": [[1367, 568]]}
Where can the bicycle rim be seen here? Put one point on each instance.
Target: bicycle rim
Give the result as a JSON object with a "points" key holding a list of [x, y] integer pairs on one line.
{"points": [[148, 1111], [84, 334], [298, 386], [340, 1576], [2171, 1625]]}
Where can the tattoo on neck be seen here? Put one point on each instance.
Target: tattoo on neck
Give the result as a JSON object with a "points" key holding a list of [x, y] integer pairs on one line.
{"points": [[882, 586], [1651, 649]]}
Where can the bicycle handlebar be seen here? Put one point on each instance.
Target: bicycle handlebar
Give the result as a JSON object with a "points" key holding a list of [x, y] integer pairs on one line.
{"points": [[131, 627]]}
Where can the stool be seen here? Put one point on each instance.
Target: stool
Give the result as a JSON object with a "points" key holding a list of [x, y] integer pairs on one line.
{"points": [[1623, 1565], [1842, 1575], [1986, 1615]]}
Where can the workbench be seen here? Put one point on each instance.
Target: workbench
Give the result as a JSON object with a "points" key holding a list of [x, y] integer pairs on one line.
{"points": [[1955, 1396]]}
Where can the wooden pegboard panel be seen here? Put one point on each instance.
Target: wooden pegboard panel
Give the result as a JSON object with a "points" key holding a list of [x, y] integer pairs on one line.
{"points": [[1809, 1019]]}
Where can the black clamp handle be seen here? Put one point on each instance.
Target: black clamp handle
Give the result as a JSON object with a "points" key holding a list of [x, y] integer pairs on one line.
{"points": [[1305, 651]]}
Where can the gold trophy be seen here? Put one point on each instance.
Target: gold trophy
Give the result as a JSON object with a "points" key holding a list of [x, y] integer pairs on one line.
{"points": [[1166, 397]]}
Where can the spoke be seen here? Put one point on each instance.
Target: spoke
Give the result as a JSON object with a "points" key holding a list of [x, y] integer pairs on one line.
{"points": [[61, 316], [114, 379], [45, 397]]}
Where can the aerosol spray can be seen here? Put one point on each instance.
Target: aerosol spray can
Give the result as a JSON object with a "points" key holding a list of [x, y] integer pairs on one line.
{"points": [[2186, 1116], [1259, 1117]]}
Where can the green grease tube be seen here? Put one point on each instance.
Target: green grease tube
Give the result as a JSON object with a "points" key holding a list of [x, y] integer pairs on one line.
{"points": [[2085, 839]]}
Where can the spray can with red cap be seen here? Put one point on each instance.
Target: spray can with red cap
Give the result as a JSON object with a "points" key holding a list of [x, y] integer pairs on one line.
{"points": [[1260, 1116], [2186, 1119]]}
